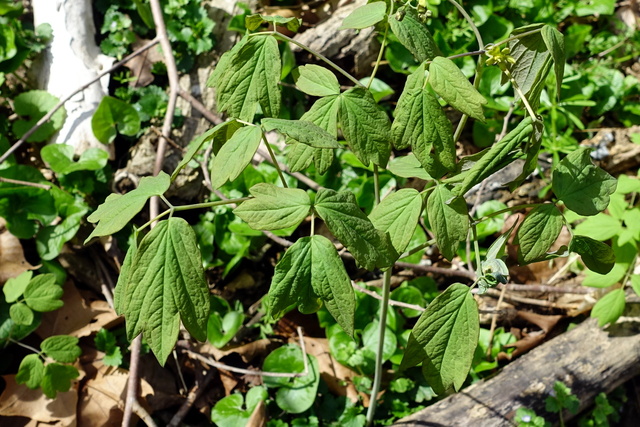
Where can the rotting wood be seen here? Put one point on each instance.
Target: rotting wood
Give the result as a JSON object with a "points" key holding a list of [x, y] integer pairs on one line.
{"points": [[588, 359]]}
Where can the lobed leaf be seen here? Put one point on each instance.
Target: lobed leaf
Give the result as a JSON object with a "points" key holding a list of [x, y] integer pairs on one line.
{"points": [[117, 210], [15, 286], [61, 348], [31, 371], [274, 208], [32, 106], [21, 314], [447, 80], [449, 218], [398, 215], [43, 294], [57, 378]]}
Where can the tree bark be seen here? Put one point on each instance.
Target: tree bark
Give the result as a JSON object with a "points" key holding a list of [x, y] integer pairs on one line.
{"points": [[588, 359]]}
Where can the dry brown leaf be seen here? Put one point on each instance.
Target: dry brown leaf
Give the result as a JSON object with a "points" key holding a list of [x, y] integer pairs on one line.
{"points": [[258, 417], [546, 323], [102, 398], [76, 317], [141, 65], [19, 400], [12, 260]]}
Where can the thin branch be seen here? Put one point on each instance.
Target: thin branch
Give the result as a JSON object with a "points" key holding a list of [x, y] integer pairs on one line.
{"points": [[300, 177], [438, 270], [193, 395], [26, 183], [494, 323], [391, 302], [59, 105]]}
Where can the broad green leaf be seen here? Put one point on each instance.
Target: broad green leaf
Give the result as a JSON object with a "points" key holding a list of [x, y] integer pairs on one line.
{"points": [[413, 35], [600, 227], [398, 215], [532, 150], [331, 282], [371, 340], [370, 247], [294, 395], [14, 287], [9, 330], [223, 323], [554, 40], [324, 113], [165, 285], [538, 232], [61, 348], [117, 210], [218, 135], [624, 256], [597, 256], [445, 338], [302, 131], [421, 123], [449, 218], [21, 314], [248, 76], [253, 22], [497, 157], [408, 167], [33, 105], [274, 208], [60, 158], [365, 16], [235, 155], [234, 410], [51, 239], [583, 187], [609, 308], [119, 302], [447, 80], [315, 80], [635, 283], [533, 62], [365, 126], [43, 294], [31, 371], [114, 116], [57, 378], [291, 282]]}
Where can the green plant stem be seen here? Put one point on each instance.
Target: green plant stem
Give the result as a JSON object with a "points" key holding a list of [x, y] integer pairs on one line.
{"points": [[28, 347], [377, 379], [311, 51], [471, 23], [501, 211], [518, 36], [476, 248], [418, 248], [382, 46], [275, 161], [376, 184], [525, 101]]}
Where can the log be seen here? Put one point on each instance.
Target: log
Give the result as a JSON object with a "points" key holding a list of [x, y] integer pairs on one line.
{"points": [[589, 359]]}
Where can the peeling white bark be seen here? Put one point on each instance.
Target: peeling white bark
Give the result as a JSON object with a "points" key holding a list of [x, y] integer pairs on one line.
{"points": [[72, 59]]}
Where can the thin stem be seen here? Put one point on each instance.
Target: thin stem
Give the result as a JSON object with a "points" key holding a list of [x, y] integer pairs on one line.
{"points": [[311, 51], [210, 204], [501, 211], [516, 87], [382, 46], [377, 379], [28, 347], [26, 183], [471, 23], [476, 248], [313, 224], [518, 36], [275, 161], [376, 184], [418, 248]]}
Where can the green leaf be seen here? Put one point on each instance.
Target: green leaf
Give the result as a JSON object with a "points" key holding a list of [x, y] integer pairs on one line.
{"points": [[120, 303], [554, 40], [31, 371], [234, 411], [166, 283], [34, 105], [112, 116], [274, 208], [635, 283], [421, 123], [497, 157], [408, 167], [447, 80], [365, 16], [315, 80], [253, 22], [302, 131], [331, 283], [294, 395], [413, 35], [21, 314], [117, 210], [445, 338], [583, 187], [291, 283], [218, 135], [223, 325], [61, 348], [597, 256], [365, 126], [9, 330], [106, 342], [57, 378], [600, 227], [449, 218], [60, 158], [235, 155], [609, 308], [538, 232], [42, 294], [370, 247], [248, 76], [398, 215], [14, 287]]}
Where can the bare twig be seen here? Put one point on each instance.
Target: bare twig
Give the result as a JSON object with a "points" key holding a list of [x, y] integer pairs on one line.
{"points": [[143, 414], [531, 301], [494, 322], [169, 140], [59, 105], [25, 183], [391, 302], [132, 382], [546, 289], [438, 270], [193, 395]]}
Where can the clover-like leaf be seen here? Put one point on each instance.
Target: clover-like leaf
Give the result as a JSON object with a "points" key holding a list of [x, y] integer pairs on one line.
{"points": [[31, 371], [61, 348], [43, 294], [21, 314], [57, 378], [15, 286]]}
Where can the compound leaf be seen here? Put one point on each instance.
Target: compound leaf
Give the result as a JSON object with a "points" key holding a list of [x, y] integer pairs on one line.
{"points": [[117, 210], [538, 232], [235, 155], [15, 286], [274, 208], [61, 348], [57, 378], [43, 294], [31, 371], [21, 314], [398, 215], [447, 80], [449, 218]]}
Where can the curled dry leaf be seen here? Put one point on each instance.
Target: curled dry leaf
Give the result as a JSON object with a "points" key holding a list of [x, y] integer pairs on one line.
{"points": [[12, 260]]}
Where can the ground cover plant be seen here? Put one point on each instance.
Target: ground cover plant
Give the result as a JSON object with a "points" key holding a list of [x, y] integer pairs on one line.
{"points": [[359, 186]]}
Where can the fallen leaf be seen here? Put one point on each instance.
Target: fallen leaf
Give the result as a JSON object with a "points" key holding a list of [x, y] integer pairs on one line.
{"points": [[12, 260], [258, 417], [141, 65]]}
